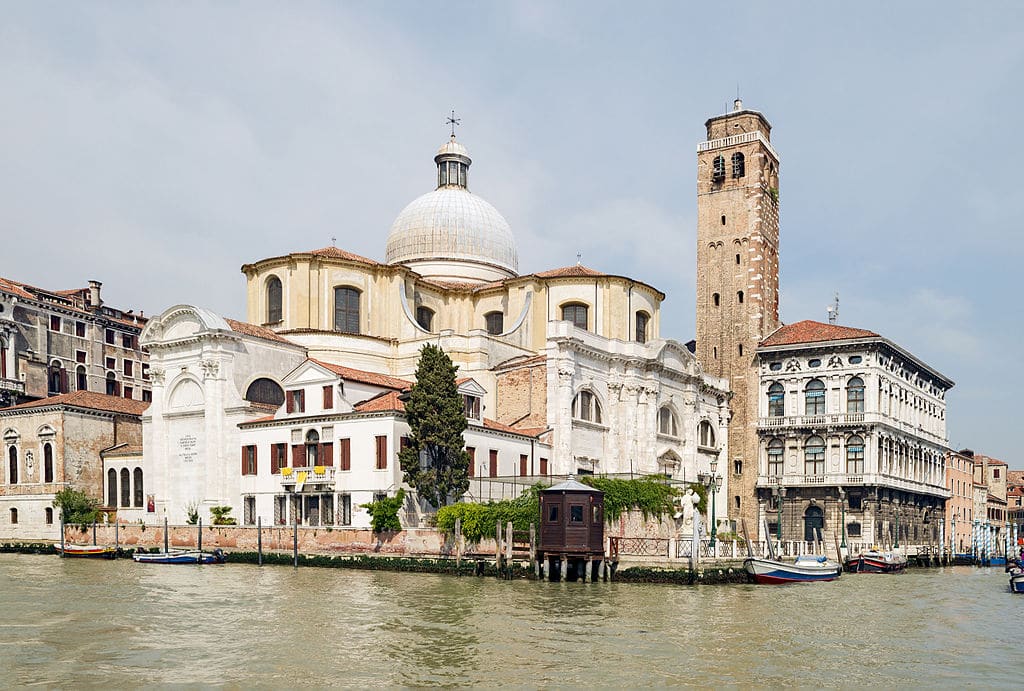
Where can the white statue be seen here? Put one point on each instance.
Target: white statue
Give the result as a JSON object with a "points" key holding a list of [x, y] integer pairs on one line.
{"points": [[688, 503]]}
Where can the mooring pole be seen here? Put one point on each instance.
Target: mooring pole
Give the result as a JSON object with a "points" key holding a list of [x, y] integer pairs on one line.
{"points": [[458, 542], [117, 538], [166, 549], [62, 533], [259, 541], [295, 539], [94, 532], [199, 542]]}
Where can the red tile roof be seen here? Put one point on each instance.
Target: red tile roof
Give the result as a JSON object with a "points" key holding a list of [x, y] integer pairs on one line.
{"points": [[809, 331], [16, 288], [255, 331], [336, 253], [520, 361], [365, 377], [569, 271], [87, 399], [382, 402]]}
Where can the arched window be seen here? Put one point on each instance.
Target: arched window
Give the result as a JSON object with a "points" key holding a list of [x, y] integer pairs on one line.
{"points": [[346, 310], [312, 448], [855, 395], [814, 456], [58, 379], [776, 400], [776, 449], [814, 524], [111, 487], [738, 167], [495, 323], [14, 516], [739, 296], [855, 455], [718, 169], [642, 318], [575, 313], [137, 486], [113, 387], [705, 435], [586, 407], [12, 465], [48, 513], [274, 300], [47, 462], [814, 398], [265, 391], [126, 488], [425, 318], [667, 422], [716, 299], [81, 379]]}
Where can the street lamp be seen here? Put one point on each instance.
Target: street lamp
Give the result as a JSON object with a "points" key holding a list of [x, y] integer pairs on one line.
{"points": [[842, 506], [713, 481], [952, 538], [780, 493], [896, 545]]}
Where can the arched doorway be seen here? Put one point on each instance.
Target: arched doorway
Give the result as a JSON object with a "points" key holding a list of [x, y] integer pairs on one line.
{"points": [[814, 523]]}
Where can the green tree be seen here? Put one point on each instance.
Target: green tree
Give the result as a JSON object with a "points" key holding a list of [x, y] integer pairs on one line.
{"points": [[435, 462], [76, 506], [220, 515], [384, 513]]}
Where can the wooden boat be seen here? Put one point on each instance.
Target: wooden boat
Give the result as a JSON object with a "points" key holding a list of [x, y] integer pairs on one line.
{"points": [[1017, 580], [875, 561], [86, 551], [804, 569], [183, 557]]}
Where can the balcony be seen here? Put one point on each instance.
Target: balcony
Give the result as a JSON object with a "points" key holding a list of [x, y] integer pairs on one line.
{"points": [[13, 385], [294, 479], [819, 422], [848, 480]]}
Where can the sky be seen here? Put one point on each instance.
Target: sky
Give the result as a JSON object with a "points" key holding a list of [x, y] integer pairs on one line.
{"points": [[157, 147]]}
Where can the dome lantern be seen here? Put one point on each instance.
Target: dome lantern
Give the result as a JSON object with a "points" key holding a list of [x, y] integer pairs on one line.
{"points": [[453, 163]]}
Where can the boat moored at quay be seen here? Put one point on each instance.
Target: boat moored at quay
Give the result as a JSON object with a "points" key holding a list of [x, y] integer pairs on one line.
{"points": [[876, 561]]}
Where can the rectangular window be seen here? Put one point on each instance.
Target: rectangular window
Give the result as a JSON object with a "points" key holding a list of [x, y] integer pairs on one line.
{"points": [[108, 336], [147, 396], [280, 510], [129, 392], [249, 512], [126, 340], [298, 456], [55, 323], [345, 509], [295, 401], [278, 458], [80, 356], [471, 451], [345, 454], [110, 363], [995, 473], [382, 452], [543, 466], [493, 470], [145, 370], [248, 460], [553, 513], [737, 466], [328, 397], [575, 513], [524, 465], [471, 407], [129, 367], [327, 454], [80, 329]]}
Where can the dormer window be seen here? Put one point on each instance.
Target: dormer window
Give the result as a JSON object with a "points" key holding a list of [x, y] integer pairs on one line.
{"points": [[296, 401], [471, 406]]}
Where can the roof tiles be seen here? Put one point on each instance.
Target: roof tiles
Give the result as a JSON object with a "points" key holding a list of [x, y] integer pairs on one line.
{"points": [[809, 331], [87, 399]]}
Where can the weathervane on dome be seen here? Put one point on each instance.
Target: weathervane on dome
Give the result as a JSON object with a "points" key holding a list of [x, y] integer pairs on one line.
{"points": [[453, 121]]}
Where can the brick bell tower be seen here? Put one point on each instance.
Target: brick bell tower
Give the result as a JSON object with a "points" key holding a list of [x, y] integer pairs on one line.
{"points": [[737, 280]]}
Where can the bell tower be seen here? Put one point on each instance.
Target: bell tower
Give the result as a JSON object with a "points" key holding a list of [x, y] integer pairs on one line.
{"points": [[737, 279]]}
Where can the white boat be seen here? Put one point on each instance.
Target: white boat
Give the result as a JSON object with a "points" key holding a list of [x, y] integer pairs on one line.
{"points": [[803, 569]]}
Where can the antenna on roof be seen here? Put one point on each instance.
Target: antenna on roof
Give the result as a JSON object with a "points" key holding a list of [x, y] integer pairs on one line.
{"points": [[833, 310]]}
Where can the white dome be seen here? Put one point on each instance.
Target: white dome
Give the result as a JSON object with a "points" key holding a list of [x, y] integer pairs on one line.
{"points": [[452, 223], [450, 232]]}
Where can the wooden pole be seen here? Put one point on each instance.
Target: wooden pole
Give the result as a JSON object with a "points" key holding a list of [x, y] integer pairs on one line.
{"points": [[259, 541], [94, 532], [458, 542], [62, 533], [199, 540], [117, 537], [295, 539], [533, 551], [166, 543], [497, 545], [562, 574], [508, 549]]}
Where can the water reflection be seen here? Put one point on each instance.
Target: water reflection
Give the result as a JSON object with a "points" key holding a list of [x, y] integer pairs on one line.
{"points": [[65, 622]]}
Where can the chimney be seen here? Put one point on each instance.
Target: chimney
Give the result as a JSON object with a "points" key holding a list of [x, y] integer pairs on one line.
{"points": [[94, 294]]}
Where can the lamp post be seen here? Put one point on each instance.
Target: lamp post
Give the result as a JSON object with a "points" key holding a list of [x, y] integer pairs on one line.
{"points": [[952, 538], [780, 493], [842, 507], [711, 481], [896, 545]]}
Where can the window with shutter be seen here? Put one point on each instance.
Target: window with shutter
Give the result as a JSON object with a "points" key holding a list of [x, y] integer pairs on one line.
{"points": [[298, 456], [327, 454], [493, 470], [346, 310], [523, 465], [345, 454], [382, 453], [328, 397], [543, 466], [472, 460]]}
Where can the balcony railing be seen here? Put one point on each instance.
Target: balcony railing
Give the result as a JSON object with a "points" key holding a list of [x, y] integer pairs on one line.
{"points": [[769, 424], [845, 479], [12, 385], [298, 477]]}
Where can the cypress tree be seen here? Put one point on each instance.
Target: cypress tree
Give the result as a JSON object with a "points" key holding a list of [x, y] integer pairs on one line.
{"points": [[435, 462]]}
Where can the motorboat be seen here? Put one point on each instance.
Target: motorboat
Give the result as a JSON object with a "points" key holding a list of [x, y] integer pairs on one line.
{"points": [[876, 561], [86, 551], [806, 568], [181, 557], [1017, 579]]}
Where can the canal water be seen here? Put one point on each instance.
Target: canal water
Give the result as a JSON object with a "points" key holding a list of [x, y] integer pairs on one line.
{"points": [[98, 623]]}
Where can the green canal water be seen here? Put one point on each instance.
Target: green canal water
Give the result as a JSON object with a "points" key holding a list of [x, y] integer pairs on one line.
{"points": [[75, 623]]}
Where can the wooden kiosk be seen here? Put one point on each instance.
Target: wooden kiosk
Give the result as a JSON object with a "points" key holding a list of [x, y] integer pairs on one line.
{"points": [[571, 532]]}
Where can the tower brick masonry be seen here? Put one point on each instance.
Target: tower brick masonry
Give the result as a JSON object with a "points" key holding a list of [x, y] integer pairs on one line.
{"points": [[737, 279]]}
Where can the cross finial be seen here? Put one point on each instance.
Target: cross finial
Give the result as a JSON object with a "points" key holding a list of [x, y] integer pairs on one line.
{"points": [[453, 121], [579, 258]]}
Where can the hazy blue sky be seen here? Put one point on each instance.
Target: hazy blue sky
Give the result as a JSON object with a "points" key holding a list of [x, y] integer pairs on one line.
{"points": [[158, 147]]}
